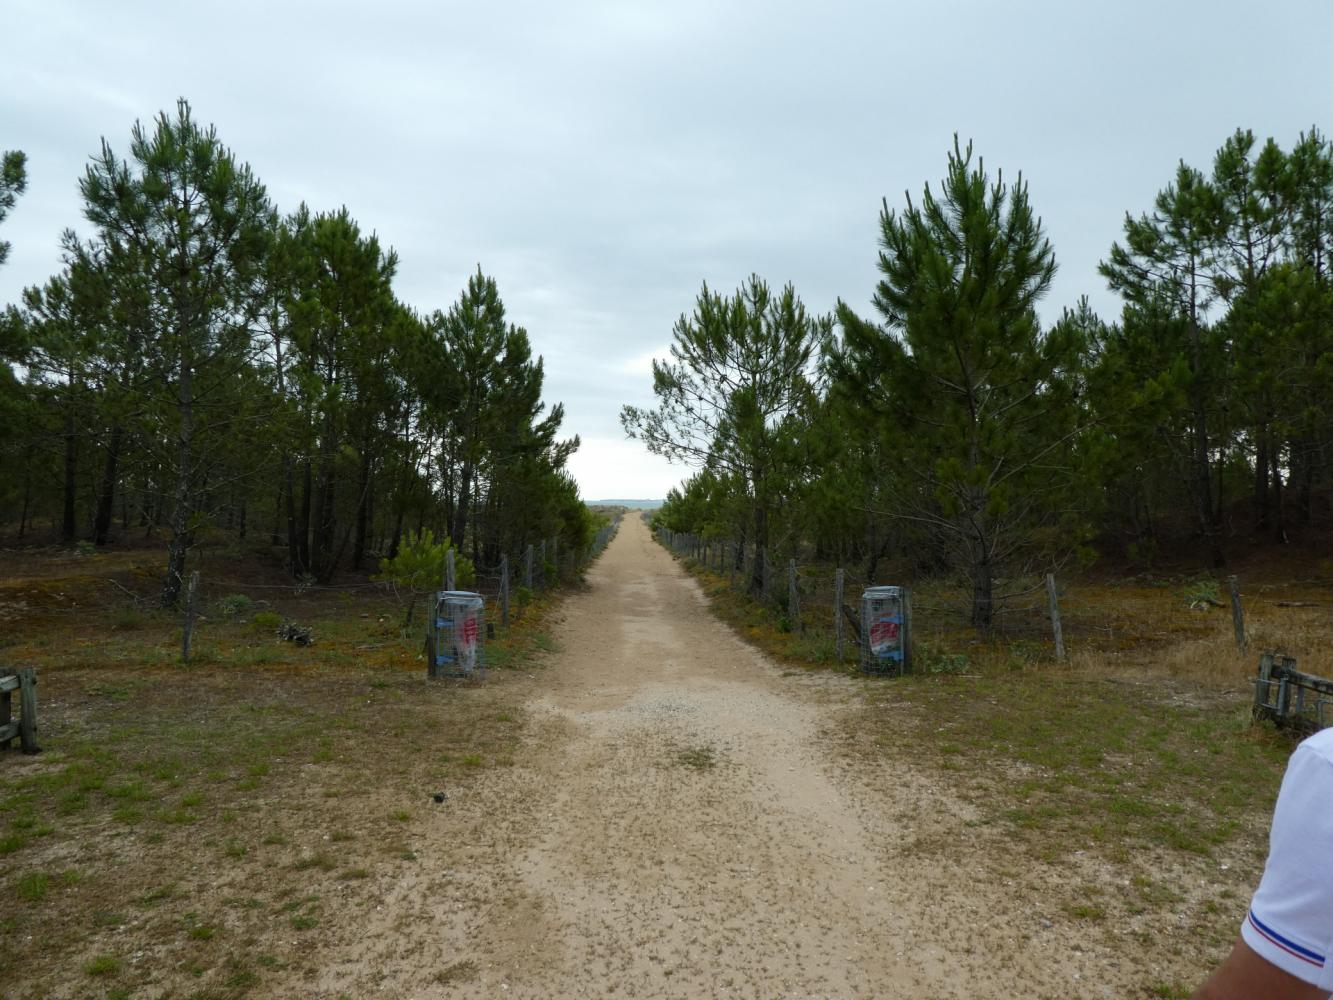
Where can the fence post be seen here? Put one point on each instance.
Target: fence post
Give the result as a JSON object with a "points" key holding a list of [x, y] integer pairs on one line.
{"points": [[504, 591], [450, 573], [1262, 686], [189, 616], [1237, 612], [838, 581], [527, 569], [28, 706], [732, 582], [793, 595], [555, 556], [907, 629], [1056, 630]]}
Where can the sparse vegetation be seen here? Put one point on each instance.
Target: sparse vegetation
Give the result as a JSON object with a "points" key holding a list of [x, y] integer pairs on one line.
{"points": [[205, 770]]}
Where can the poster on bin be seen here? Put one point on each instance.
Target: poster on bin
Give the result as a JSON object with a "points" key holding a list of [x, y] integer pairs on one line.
{"points": [[467, 641], [884, 639]]}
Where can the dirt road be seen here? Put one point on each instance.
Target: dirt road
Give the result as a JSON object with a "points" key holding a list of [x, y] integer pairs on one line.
{"points": [[684, 825]]}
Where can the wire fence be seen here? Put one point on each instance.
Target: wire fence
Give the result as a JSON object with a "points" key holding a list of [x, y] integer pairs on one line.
{"points": [[509, 586], [1042, 616]]}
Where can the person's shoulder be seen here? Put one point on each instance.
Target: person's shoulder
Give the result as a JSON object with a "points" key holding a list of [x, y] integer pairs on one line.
{"points": [[1319, 745]]}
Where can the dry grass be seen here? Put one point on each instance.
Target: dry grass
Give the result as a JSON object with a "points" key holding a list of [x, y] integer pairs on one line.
{"points": [[1124, 790], [189, 829]]}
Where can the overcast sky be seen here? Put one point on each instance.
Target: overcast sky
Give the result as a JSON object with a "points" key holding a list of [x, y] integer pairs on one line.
{"points": [[602, 159]]}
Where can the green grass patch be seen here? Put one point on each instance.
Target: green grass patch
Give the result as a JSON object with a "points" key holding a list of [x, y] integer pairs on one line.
{"points": [[102, 965]]}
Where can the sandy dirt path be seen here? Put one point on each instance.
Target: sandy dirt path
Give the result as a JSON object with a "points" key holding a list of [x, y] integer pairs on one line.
{"points": [[681, 824]]}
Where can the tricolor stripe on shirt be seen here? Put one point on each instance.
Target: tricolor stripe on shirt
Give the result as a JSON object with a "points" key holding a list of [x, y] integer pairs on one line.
{"points": [[1290, 947]]}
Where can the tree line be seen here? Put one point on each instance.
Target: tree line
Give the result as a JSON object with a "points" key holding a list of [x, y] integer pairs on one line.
{"points": [[203, 361], [957, 430]]}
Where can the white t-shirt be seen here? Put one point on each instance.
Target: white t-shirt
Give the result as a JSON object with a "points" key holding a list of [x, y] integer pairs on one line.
{"points": [[1290, 922]]}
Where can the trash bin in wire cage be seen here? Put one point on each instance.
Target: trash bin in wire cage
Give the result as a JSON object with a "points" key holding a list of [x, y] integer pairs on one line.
{"points": [[454, 639], [886, 630]]}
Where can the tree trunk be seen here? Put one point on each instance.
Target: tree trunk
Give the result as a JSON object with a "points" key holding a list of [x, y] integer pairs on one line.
{"points": [[68, 524], [106, 495], [180, 516], [27, 491], [302, 563], [279, 503], [459, 528], [1261, 508], [1279, 521], [397, 538], [760, 548], [321, 553], [362, 511], [983, 582]]}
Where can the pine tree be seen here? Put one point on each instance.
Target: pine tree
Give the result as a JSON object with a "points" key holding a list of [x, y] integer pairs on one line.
{"points": [[198, 224], [739, 368], [13, 181], [976, 401]]}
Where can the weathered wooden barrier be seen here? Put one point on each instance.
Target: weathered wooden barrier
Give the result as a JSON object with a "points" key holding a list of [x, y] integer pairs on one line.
{"points": [[24, 681], [1289, 698]]}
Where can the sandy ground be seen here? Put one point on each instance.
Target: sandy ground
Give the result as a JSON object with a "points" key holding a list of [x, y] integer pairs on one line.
{"points": [[682, 824]]}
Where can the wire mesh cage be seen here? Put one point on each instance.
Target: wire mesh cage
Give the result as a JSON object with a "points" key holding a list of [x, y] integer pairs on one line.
{"points": [[454, 638], [886, 630]]}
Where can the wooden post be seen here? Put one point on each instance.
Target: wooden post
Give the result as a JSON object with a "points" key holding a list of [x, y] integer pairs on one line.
{"points": [[1262, 686], [555, 557], [907, 629], [7, 684], [527, 569], [1056, 630], [450, 575], [1237, 612], [189, 616], [28, 708], [732, 582], [839, 579], [504, 591], [793, 595]]}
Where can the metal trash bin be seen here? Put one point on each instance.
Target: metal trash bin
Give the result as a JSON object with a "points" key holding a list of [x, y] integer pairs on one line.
{"points": [[886, 630], [454, 638]]}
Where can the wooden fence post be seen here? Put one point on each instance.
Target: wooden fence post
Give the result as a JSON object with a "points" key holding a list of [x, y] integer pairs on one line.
{"points": [[1056, 630], [28, 706], [1262, 685], [450, 571], [732, 582], [189, 616], [504, 591], [838, 582], [906, 598], [1237, 612], [527, 569], [25, 681]]}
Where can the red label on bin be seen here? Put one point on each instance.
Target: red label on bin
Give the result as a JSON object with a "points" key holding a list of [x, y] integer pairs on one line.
{"points": [[469, 630], [883, 632]]}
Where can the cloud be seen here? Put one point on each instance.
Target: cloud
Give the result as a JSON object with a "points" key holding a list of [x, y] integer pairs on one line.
{"points": [[602, 159]]}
